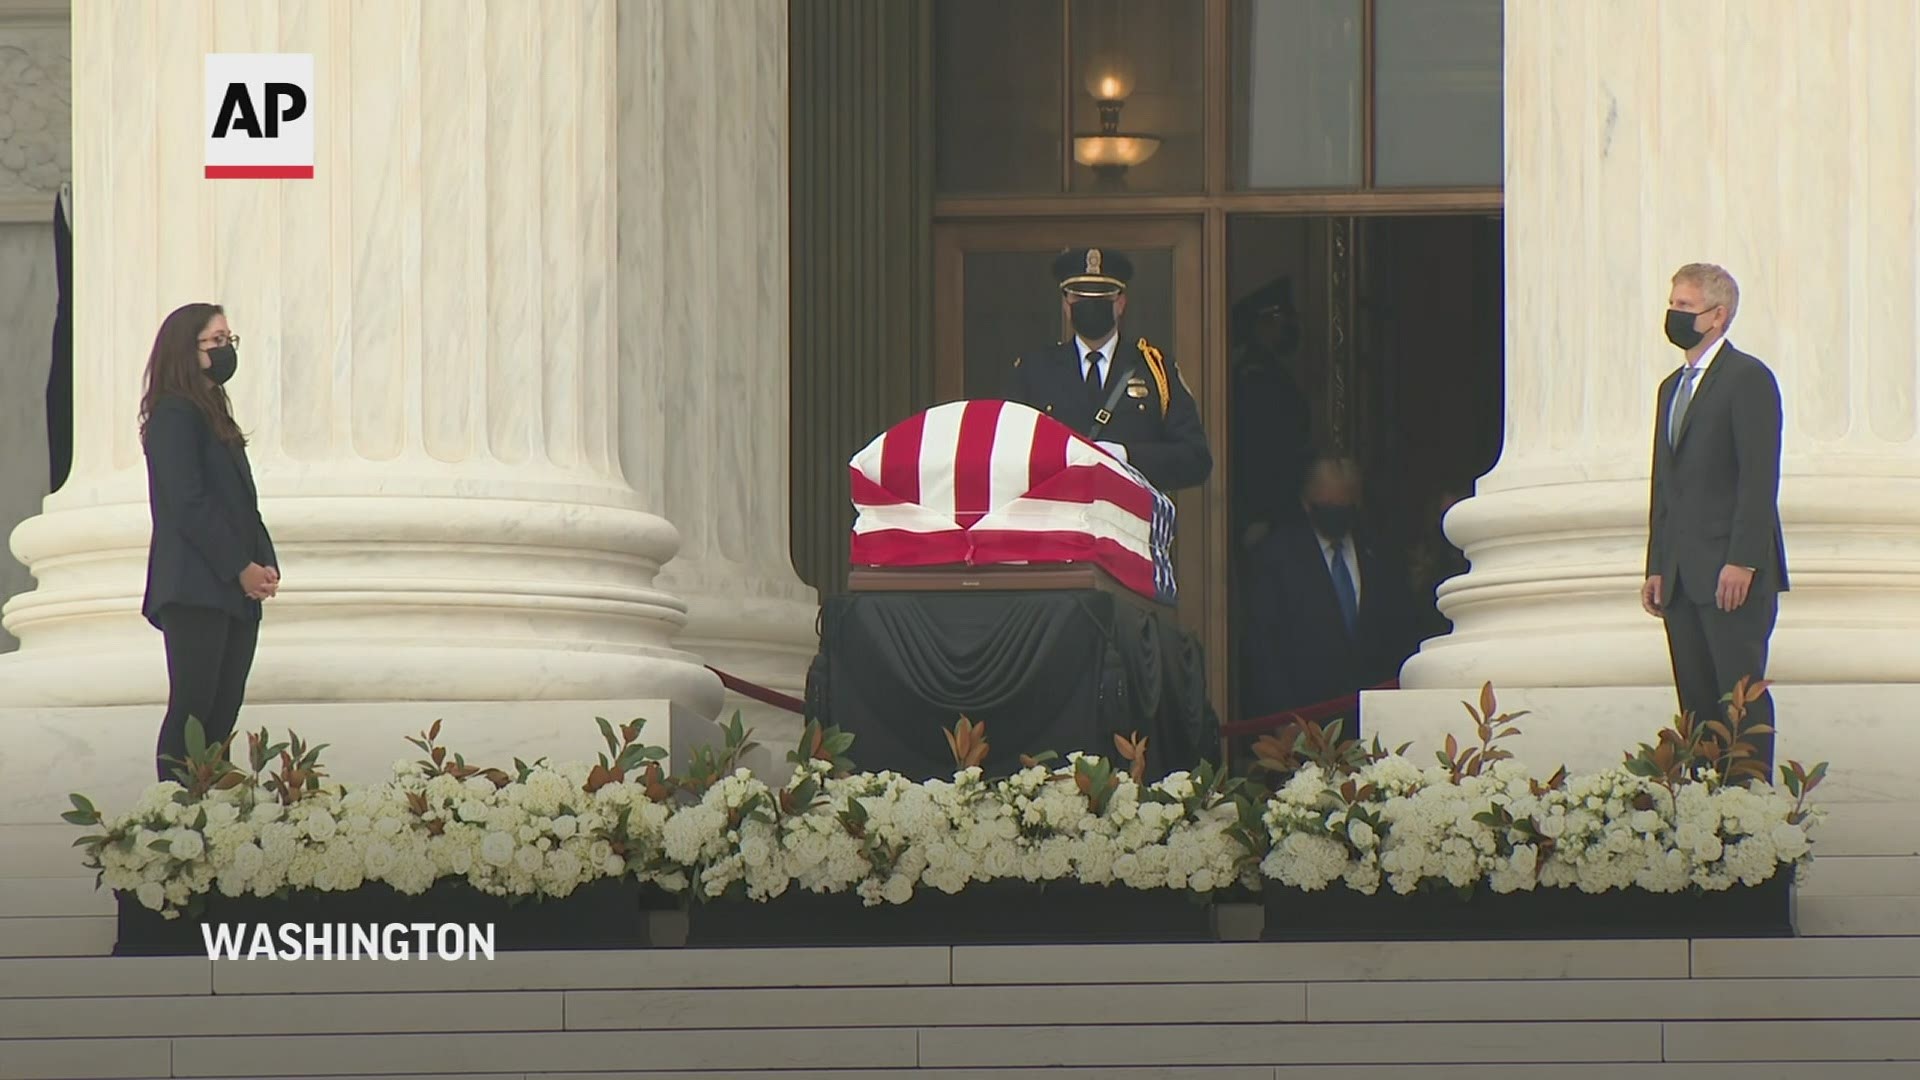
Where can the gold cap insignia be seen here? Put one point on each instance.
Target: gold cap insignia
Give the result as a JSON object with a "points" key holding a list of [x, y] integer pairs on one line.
{"points": [[1093, 260]]}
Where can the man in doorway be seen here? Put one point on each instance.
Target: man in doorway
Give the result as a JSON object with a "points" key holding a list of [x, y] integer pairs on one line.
{"points": [[1331, 612], [1128, 398], [1716, 559], [1272, 427]]}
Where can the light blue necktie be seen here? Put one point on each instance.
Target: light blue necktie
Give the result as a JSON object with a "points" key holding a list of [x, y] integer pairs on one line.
{"points": [[1682, 397], [1343, 589]]}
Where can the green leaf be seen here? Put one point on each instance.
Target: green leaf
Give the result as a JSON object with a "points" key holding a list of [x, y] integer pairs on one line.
{"points": [[196, 739], [161, 845], [606, 732], [81, 803], [75, 817]]}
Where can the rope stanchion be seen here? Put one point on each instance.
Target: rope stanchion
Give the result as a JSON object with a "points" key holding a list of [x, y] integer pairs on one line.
{"points": [[760, 693]]}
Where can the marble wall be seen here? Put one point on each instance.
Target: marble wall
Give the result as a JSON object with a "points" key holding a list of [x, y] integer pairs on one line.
{"points": [[35, 159]]}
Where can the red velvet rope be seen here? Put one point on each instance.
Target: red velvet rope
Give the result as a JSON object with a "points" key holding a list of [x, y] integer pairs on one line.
{"points": [[760, 693], [1319, 712]]}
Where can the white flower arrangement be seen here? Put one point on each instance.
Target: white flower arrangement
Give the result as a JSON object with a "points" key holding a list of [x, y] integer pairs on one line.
{"points": [[1342, 815]]}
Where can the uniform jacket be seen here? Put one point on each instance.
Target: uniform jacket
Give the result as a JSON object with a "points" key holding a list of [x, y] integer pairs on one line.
{"points": [[1168, 447]]}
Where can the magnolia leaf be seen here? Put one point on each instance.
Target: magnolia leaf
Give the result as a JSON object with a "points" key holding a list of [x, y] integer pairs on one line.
{"points": [[1487, 703], [196, 739]]}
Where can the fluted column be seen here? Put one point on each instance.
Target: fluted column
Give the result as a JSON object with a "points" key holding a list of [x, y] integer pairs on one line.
{"points": [[1776, 138], [429, 366], [704, 325]]}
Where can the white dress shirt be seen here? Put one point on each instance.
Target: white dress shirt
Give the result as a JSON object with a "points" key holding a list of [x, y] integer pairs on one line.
{"points": [[1105, 349], [1346, 551], [1700, 375]]}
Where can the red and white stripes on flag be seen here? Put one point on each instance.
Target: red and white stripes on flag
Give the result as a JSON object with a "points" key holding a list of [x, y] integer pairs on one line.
{"points": [[983, 483]]}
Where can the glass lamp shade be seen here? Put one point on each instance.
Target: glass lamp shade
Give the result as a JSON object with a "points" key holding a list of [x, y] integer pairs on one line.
{"points": [[1114, 151], [1109, 81]]}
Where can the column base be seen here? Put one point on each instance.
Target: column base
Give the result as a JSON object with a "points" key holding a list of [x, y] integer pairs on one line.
{"points": [[1553, 598], [384, 599], [758, 626]]}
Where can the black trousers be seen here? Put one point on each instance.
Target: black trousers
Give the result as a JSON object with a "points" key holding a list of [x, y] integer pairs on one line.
{"points": [[1712, 650], [209, 654]]}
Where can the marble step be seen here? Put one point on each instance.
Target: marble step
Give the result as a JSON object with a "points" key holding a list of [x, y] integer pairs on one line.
{"points": [[48, 1017], [901, 969], [101, 1055], [727, 1047]]}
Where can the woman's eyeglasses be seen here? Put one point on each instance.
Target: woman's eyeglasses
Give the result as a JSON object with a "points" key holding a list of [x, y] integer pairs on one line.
{"points": [[221, 339]]}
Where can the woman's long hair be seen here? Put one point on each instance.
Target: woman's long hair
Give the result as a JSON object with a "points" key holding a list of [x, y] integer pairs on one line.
{"points": [[173, 370]]}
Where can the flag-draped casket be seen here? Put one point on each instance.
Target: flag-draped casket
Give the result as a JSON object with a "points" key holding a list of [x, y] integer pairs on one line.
{"points": [[994, 483]]}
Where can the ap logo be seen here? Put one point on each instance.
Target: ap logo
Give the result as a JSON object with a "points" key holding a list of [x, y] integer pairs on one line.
{"points": [[259, 119]]}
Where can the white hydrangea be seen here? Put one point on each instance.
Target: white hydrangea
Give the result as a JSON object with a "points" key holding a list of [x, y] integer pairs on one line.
{"points": [[883, 836]]}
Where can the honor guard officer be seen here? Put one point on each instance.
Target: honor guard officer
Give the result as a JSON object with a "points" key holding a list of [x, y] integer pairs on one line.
{"points": [[1126, 396]]}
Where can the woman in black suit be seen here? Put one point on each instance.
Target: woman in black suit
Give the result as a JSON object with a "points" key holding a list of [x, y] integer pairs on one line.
{"points": [[211, 562]]}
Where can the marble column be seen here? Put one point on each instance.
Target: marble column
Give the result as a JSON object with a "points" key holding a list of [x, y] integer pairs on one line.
{"points": [[1782, 140], [429, 373], [34, 162], [704, 279]]}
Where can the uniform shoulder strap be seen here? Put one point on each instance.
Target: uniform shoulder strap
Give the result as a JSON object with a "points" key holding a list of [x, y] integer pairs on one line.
{"points": [[1158, 365]]}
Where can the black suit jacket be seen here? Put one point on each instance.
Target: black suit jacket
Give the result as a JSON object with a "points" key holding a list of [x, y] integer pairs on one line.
{"points": [[1716, 488], [206, 515], [1300, 652], [1170, 451]]}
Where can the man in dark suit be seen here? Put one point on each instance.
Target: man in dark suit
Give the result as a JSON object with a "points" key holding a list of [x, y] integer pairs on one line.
{"points": [[1716, 560], [1331, 612], [1127, 397]]}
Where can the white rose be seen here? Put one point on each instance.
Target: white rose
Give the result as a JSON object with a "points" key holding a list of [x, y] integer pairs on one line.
{"points": [[497, 848], [565, 825], [152, 895], [379, 861], [187, 845], [321, 826], [1789, 841]]}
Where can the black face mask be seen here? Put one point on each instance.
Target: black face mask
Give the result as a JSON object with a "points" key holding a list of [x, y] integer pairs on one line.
{"points": [[1680, 329], [1092, 319], [225, 361], [1331, 520]]}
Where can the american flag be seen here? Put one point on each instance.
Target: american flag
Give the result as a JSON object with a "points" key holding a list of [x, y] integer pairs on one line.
{"points": [[985, 483]]}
